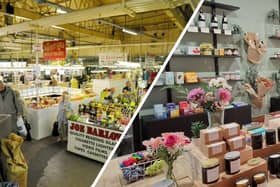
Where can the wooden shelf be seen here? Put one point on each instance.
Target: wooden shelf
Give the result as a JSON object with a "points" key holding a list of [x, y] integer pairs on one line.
{"points": [[210, 33], [206, 56], [274, 37], [266, 150], [229, 180], [274, 58], [220, 6]]}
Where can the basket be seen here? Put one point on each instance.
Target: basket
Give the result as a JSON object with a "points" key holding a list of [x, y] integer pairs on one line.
{"points": [[140, 168]]}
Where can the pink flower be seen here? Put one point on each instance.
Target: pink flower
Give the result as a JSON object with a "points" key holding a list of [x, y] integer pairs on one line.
{"points": [[196, 95], [224, 96], [156, 142], [180, 137], [153, 143], [170, 140]]}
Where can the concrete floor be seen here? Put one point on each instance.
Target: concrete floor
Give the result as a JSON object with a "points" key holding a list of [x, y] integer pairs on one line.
{"points": [[50, 165]]}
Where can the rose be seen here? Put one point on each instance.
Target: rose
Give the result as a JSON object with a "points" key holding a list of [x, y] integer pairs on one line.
{"points": [[170, 140], [224, 96]]}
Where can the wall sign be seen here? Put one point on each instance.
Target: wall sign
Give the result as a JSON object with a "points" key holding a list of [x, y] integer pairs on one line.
{"points": [[109, 59], [54, 50], [91, 141]]}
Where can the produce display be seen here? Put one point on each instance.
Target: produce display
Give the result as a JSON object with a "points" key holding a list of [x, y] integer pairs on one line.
{"points": [[109, 115], [51, 100]]}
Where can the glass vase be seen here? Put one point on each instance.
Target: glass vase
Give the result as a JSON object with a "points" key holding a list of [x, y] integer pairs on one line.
{"points": [[215, 119], [170, 175]]}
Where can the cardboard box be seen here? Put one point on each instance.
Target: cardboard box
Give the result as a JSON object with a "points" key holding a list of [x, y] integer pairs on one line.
{"points": [[193, 50], [236, 143], [191, 77], [230, 130], [179, 78], [169, 78], [208, 136], [214, 149]]}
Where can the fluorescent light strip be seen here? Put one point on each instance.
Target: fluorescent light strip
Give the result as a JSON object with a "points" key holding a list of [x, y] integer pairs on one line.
{"points": [[12, 48], [60, 11], [147, 94], [57, 27], [128, 31]]}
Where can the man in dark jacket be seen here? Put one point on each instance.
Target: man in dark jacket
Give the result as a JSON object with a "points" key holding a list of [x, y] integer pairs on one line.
{"points": [[9, 104]]}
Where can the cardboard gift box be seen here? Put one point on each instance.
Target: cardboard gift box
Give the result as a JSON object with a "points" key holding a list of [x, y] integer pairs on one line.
{"points": [[169, 78], [236, 143], [191, 77], [193, 50], [230, 130], [214, 149], [208, 136], [179, 78]]}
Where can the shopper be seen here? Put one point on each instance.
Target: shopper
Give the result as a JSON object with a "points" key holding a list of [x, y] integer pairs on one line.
{"points": [[127, 88], [22, 104], [64, 109], [9, 104]]}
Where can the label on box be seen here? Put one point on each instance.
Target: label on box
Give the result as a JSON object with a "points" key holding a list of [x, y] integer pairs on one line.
{"points": [[235, 166], [212, 174], [237, 144], [217, 149], [213, 135], [204, 30], [217, 31], [232, 131]]}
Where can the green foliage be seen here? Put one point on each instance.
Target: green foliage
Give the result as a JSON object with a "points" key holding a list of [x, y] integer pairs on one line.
{"points": [[196, 127]]}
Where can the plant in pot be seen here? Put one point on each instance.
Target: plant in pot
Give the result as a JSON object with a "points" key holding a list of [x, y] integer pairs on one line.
{"points": [[195, 128]]}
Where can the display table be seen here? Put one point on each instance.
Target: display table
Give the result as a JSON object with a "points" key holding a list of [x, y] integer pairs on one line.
{"points": [[91, 141], [42, 120], [100, 84], [112, 175]]}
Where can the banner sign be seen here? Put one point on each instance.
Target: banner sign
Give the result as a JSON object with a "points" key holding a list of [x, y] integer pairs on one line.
{"points": [[109, 59], [54, 50], [91, 141]]}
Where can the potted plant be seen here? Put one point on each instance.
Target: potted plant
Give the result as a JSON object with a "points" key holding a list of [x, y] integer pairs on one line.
{"points": [[195, 128]]}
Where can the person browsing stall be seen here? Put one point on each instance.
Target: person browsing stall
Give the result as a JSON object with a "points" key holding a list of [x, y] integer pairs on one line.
{"points": [[64, 109], [9, 104]]}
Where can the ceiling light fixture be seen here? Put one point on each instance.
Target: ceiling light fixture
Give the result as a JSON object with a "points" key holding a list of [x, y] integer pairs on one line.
{"points": [[128, 31], [12, 48], [57, 27], [61, 11]]}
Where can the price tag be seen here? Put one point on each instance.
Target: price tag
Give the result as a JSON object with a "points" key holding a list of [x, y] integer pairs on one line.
{"points": [[227, 32], [217, 31], [204, 30]]}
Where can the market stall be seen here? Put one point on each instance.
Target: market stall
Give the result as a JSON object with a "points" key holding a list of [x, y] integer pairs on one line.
{"points": [[97, 126], [42, 116], [91, 141]]}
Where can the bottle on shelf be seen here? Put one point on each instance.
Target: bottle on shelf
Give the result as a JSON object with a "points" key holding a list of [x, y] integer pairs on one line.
{"points": [[201, 19], [214, 21], [224, 22]]}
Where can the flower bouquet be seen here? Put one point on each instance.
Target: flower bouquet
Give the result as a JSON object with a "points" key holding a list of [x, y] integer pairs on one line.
{"points": [[213, 98], [168, 147]]}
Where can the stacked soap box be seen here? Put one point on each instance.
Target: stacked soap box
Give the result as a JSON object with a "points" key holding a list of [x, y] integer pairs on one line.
{"points": [[215, 142]]}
